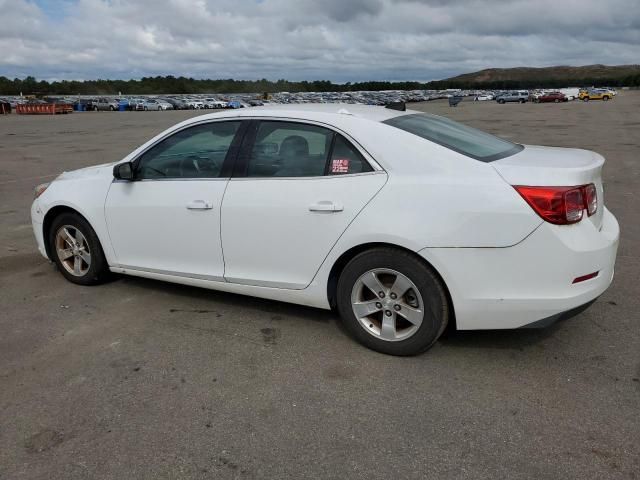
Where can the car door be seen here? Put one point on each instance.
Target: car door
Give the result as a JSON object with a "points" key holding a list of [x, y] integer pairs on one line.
{"points": [[168, 219], [296, 188]]}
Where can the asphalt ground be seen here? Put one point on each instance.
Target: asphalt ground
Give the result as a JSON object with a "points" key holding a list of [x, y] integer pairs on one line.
{"points": [[139, 379]]}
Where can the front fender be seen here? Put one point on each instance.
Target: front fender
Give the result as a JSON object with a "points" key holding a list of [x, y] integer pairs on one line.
{"points": [[86, 196]]}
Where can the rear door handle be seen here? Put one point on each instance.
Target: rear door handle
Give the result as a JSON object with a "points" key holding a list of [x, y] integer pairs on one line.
{"points": [[199, 205], [326, 206]]}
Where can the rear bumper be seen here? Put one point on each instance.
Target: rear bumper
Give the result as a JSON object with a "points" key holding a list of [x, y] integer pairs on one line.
{"points": [[546, 322], [496, 288]]}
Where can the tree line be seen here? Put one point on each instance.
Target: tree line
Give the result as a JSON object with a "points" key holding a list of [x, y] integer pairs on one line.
{"points": [[181, 85]]}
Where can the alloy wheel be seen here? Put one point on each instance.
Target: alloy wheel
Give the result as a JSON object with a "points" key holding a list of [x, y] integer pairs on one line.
{"points": [[387, 304], [73, 250]]}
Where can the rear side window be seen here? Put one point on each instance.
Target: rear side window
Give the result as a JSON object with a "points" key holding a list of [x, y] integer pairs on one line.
{"points": [[346, 159], [291, 149], [455, 136], [287, 149]]}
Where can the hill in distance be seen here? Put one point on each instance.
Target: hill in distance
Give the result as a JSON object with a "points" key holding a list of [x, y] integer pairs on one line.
{"points": [[583, 75]]}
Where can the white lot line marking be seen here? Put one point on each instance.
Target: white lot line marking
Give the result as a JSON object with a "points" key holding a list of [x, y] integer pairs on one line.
{"points": [[29, 178]]}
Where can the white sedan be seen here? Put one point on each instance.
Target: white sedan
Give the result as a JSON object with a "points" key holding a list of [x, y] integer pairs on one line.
{"points": [[402, 221]]}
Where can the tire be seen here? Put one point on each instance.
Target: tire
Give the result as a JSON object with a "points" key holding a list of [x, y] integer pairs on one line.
{"points": [[556, 101], [94, 272], [112, 109], [387, 265], [95, 109], [146, 109], [522, 100], [605, 98], [501, 102], [585, 99]]}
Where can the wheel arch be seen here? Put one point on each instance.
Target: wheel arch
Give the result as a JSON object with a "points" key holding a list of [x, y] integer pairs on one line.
{"points": [[342, 261], [50, 216]]}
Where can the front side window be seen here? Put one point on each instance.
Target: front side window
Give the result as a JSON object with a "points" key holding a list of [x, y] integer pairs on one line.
{"points": [[289, 149], [196, 152], [455, 136]]}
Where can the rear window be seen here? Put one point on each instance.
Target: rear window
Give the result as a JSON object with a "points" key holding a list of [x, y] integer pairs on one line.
{"points": [[455, 136]]}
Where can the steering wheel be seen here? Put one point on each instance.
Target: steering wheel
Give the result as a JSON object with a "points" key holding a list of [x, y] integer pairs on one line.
{"points": [[195, 166]]}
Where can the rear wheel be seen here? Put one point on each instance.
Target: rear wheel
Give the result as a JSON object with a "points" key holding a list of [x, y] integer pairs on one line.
{"points": [[501, 101], [605, 98], [585, 99], [391, 302], [76, 250]]}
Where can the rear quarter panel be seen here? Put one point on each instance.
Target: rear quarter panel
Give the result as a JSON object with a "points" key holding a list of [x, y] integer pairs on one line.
{"points": [[436, 197]]}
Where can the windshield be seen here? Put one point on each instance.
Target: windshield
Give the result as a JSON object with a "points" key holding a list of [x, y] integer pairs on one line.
{"points": [[455, 136]]}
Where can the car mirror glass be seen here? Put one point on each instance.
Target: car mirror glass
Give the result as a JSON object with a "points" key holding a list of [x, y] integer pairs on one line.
{"points": [[123, 171]]}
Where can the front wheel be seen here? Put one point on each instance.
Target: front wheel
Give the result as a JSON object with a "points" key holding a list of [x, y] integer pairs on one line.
{"points": [[585, 99], [391, 302], [76, 250], [605, 98]]}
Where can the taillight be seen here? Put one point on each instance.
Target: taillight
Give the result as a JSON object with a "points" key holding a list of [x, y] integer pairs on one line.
{"points": [[591, 199], [560, 205], [573, 205]]}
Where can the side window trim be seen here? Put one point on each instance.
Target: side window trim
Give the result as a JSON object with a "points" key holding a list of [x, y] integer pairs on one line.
{"points": [[241, 165], [242, 162], [229, 160], [327, 166]]}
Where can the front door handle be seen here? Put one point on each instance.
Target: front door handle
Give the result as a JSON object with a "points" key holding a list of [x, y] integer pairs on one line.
{"points": [[199, 205], [326, 206]]}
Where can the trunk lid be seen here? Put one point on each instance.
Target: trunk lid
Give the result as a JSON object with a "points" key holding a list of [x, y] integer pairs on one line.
{"points": [[555, 166]]}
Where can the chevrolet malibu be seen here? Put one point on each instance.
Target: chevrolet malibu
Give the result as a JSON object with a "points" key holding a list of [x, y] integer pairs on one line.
{"points": [[402, 221]]}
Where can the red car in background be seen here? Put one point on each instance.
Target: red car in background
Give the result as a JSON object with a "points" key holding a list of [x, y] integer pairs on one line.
{"points": [[551, 97]]}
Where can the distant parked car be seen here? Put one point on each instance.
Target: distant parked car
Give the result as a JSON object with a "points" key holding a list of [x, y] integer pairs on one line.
{"points": [[152, 104], [123, 103], [136, 103], [105, 104], [483, 97], [594, 94], [214, 103], [551, 97], [520, 96], [195, 104], [571, 92], [177, 103]]}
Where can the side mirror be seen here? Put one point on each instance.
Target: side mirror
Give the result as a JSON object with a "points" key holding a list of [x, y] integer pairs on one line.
{"points": [[123, 171]]}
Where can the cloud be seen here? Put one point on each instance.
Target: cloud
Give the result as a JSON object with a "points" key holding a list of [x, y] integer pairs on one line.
{"points": [[339, 40]]}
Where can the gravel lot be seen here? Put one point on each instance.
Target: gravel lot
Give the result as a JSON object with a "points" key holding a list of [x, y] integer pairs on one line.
{"points": [[140, 379]]}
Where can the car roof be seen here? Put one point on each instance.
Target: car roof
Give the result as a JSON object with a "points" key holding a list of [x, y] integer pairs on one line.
{"points": [[312, 111]]}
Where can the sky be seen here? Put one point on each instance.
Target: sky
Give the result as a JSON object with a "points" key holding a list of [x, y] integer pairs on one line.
{"points": [[337, 40]]}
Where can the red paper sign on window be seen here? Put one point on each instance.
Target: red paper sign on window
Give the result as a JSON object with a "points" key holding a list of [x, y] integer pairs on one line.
{"points": [[340, 165]]}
